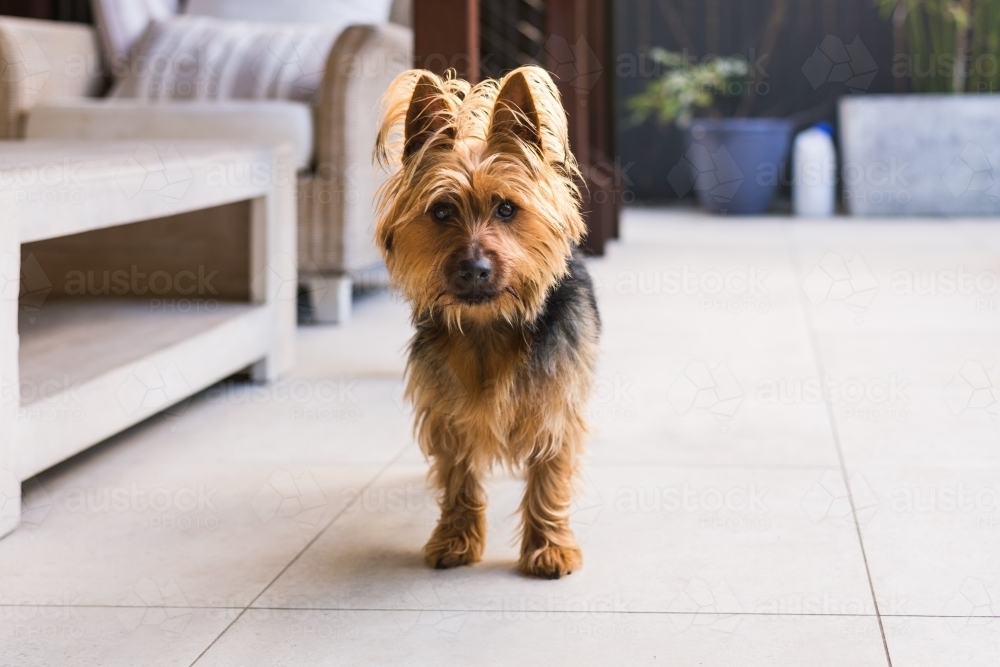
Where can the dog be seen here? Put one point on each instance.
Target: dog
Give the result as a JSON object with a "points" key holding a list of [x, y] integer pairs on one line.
{"points": [[479, 224]]}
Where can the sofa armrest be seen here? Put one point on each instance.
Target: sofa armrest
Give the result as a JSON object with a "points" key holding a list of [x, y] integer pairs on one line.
{"points": [[363, 62], [42, 61]]}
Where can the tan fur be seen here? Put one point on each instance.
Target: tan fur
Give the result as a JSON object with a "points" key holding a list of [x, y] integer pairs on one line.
{"points": [[479, 399]]}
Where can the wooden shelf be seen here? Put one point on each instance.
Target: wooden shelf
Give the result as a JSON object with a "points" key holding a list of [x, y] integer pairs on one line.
{"points": [[71, 342], [76, 370], [91, 368]]}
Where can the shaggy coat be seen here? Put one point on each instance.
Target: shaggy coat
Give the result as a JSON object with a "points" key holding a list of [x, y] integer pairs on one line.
{"points": [[478, 223]]}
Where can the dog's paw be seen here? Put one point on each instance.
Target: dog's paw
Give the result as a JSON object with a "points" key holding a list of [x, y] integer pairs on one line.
{"points": [[450, 552], [551, 562], [450, 548]]}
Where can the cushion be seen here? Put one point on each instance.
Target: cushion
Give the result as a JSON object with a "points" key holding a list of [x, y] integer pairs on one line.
{"points": [[202, 58], [402, 13], [121, 22], [336, 13], [269, 122]]}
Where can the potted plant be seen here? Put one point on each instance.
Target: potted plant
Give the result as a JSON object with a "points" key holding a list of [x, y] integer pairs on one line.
{"points": [[725, 155], [935, 151]]}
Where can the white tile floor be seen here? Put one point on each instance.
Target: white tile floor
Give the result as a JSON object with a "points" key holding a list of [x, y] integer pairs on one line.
{"points": [[283, 525]]}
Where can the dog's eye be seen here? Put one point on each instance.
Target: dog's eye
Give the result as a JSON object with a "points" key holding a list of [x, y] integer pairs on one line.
{"points": [[443, 212], [506, 210]]}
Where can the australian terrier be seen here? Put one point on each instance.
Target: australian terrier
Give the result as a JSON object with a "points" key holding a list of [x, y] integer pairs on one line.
{"points": [[479, 223]]}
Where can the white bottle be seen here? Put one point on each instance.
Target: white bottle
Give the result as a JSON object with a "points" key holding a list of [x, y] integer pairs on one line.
{"points": [[814, 178]]}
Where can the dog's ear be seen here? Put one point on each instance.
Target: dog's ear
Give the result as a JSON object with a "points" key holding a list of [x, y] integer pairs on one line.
{"points": [[528, 107], [418, 107], [514, 111], [428, 116]]}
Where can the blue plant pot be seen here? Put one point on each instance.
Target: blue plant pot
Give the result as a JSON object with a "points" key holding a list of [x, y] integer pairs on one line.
{"points": [[734, 164]]}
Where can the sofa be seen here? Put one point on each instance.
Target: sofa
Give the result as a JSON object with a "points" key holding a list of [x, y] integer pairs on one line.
{"points": [[65, 81]]}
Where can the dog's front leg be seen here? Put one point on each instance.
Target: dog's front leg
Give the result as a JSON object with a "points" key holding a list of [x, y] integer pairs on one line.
{"points": [[548, 548], [460, 534]]}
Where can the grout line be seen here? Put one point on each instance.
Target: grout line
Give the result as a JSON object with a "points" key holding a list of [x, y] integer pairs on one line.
{"points": [[706, 466], [651, 612], [818, 359], [319, 534]]}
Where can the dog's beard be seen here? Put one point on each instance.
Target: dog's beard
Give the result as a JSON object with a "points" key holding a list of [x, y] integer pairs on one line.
{"points": [[505, 306]]}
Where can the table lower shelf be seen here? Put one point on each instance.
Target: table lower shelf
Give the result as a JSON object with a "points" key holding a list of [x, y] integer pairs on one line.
{"points": [[91, 368]]}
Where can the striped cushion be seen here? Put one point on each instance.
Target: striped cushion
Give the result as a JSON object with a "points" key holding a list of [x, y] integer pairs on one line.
{"points": [[121, 22], [201, 58]]}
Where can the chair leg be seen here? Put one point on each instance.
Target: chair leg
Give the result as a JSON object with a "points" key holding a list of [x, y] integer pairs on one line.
{"points": [[329, 297]]}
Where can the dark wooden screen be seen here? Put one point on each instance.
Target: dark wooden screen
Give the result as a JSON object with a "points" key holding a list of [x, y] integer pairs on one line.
{"points": [[511, 34], [55, 10]]}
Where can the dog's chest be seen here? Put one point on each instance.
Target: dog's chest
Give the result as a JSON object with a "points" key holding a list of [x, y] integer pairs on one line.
{"points": [[487, 372]]}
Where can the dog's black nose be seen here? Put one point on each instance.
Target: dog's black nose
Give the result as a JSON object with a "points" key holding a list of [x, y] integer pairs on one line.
{"points": [[474, 273]]}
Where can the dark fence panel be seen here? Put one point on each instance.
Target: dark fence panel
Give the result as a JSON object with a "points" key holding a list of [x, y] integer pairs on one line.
{"points": [[820, 50], [511, 34], [57, 10]]}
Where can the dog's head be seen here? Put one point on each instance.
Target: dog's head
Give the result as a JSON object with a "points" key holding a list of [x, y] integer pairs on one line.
{"points": [[481, 209]]}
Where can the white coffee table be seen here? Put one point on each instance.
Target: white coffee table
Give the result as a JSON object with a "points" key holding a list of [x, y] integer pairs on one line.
{"points": [[196, 281]]}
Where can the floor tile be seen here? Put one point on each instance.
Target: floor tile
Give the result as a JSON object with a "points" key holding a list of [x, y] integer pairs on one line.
{"points": [[915, 399], [435, 633], [372, 343], [94, 530], [932, 539], [943, 642], [153, 634], [653, 537], [908, 278]]}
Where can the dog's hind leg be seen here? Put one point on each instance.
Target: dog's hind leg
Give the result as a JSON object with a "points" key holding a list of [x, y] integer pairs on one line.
{"points": [[548, 548], [460, 534]]}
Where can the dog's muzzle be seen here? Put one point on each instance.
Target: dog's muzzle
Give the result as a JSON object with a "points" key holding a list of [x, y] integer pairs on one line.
{"points": [[472, 278]]}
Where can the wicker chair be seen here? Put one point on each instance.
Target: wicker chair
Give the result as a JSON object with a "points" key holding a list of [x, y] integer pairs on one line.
{"points": [[47, 63]]}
